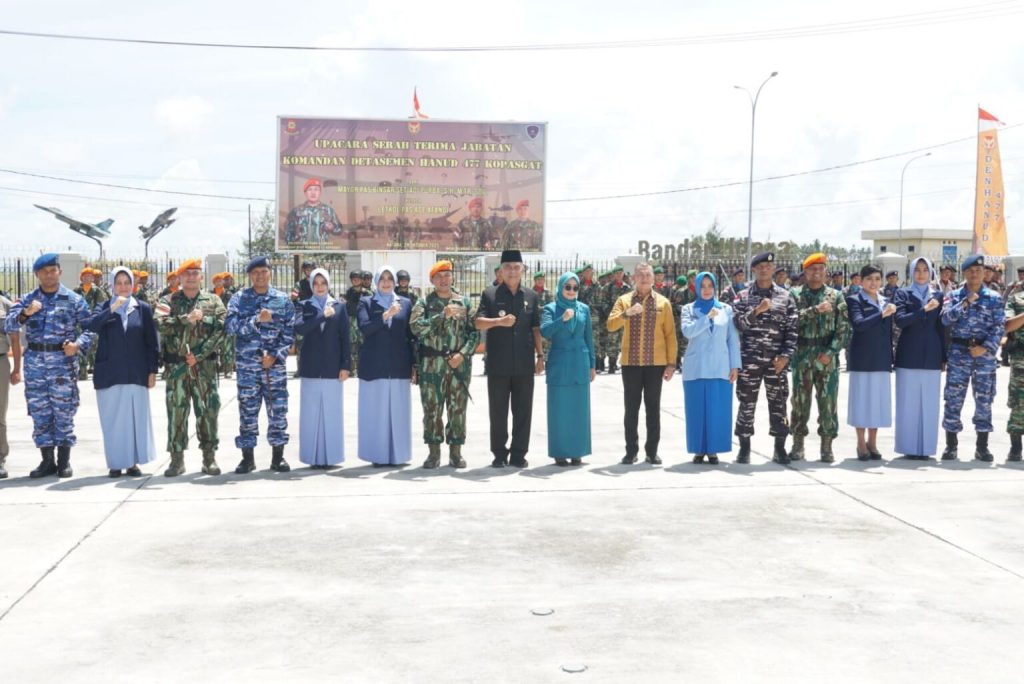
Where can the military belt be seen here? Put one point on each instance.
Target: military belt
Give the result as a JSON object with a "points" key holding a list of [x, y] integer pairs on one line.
{"points": [[426, 352], [968, 341], [38, 347], [814, 341]]}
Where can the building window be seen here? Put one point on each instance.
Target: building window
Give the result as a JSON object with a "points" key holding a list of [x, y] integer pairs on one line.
{"points": [[910, 248], [883, 248]]}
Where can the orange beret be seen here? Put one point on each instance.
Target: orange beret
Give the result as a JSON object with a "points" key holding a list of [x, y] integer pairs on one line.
{"points": [[85, 271], [816, 258], [143, 274], [522, 203], [311, 182], [217, 276], [443, 265], [478, 201], [189, 265], [97, 272]]}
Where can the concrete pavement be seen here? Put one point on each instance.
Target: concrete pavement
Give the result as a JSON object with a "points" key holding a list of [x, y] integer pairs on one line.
{"points": [[855, 572]]}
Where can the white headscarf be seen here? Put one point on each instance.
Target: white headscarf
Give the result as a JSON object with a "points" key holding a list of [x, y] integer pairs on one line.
{"points": [[132, 303]]}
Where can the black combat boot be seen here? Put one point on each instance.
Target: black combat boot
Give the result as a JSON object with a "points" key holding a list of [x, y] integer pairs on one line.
{"points": [[599, 364], [981, 452], [743, 455], [277, 461], [47, 466], [64, 462], [248, 462], [612, 366], [951, 443], [3, 470], [1015, 448], [780, 455]]}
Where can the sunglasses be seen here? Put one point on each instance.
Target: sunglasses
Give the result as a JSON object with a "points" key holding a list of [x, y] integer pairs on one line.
{"points": [[570, 288]]}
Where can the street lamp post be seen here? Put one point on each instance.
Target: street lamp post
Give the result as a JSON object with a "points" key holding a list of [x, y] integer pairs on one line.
{"points": [[750, 188], [899, 240]]}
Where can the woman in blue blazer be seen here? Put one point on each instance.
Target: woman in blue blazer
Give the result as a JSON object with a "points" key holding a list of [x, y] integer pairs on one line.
{"points": [[386, 373], [324, 365], [711, 365], [126, 358], [870, 392], [566, 323], [920, 360]]}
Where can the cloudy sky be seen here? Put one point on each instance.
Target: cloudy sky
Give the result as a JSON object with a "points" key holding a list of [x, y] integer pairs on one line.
{"points": [[621, 121]]}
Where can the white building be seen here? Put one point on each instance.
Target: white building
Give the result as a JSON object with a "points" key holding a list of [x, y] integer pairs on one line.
{"points": [[938, 244]]}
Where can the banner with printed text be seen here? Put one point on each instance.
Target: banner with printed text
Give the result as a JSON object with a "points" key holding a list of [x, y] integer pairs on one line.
{"points": [[989, 219], [421, 184]]}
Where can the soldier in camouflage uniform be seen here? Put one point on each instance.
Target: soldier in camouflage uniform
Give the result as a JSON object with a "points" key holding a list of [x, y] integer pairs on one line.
{"points": [[191, 326], [50, 317], [521, 232], [824, 331], [144, 293], [687, 294], [443, 323], [612, 292], [1014, 314], [599, 311], [766, 317], [588, 291], [975, 317], [678, 299], [544, 297], [474, 232], [314, 221], [732, 291], [352, 297], [403, 288], [262, 319], [94, 295], [302, 292], [227, 351]]}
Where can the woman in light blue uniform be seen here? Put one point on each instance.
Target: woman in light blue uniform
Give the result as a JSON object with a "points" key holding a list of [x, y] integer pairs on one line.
{"points": [[870, 391], [567, 324], [710, 366], [324, 365], [386, 373]]}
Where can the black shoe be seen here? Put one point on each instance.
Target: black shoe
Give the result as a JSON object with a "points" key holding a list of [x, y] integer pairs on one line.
{"points": [[561, 462], [698, 458], [64, 462], [612, 367], [713, 459], [277, 461], [743, 456], [3, 471], [133, 471], [518, 462], [47, 466], [981, 451], [779, 454], [863, 456], [951, 444], [653, 460], [875, 456], [498, 462], [599, 364], [628, 460], [247, 464], [1015, 448], [577, 461], [114, 472]]}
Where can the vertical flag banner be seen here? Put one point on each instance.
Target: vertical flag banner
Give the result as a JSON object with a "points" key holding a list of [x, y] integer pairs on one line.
{"points": [[989, 197]]}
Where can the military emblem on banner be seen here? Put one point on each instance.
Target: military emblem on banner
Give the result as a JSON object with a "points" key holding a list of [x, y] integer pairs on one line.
{"points": [[988, 140], [532, 131], [414, 127], [291, 127]]}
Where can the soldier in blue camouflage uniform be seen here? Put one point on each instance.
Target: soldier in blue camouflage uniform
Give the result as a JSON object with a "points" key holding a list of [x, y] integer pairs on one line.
{"points": [[51, 316], [975, 317], [314, 221], [767, 320], [262, 319]]}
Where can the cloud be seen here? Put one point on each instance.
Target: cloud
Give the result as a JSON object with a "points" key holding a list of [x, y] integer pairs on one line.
{"points": [[183, 116]]}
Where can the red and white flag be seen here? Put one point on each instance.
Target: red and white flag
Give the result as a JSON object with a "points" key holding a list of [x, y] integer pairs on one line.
{"points": [[985, 116], [416, 106]]}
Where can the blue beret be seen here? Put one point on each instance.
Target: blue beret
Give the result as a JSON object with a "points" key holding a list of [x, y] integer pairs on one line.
{"points": [[257, 262], [50, 259], [762, 258], [973, 260]]}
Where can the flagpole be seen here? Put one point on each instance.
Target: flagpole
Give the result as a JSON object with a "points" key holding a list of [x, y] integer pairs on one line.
{"points": [[977, 161]]}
